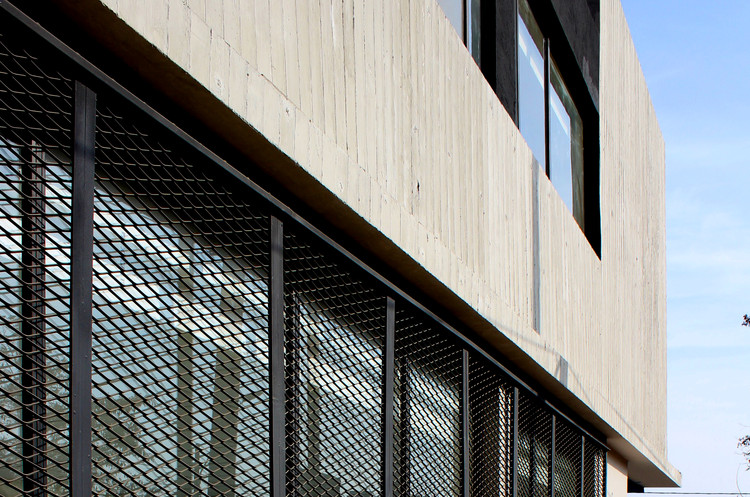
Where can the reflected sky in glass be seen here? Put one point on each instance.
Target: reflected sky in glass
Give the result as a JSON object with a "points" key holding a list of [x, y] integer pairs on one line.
{"points": [[560, 170], [565, 144], [531, 90], [454, 11]]}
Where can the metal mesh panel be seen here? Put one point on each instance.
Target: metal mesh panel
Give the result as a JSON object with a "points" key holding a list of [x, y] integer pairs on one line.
{"points": [[594, 470], [35, 232], [180, 336], [490, 430], [334, 331], [427, 409], [568, 446], [534, 448]]}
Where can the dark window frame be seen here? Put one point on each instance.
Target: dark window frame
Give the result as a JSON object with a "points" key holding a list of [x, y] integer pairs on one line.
{"points": [[225, 172], [557, 47], [571, 34]]}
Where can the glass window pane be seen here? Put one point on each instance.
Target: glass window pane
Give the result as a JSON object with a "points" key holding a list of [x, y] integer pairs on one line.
{"points": [[473, 37], [565, 145], [531, 82], [454, 11]]}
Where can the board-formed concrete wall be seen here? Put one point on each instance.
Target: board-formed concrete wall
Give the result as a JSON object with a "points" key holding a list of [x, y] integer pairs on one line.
{"points": [[380, 120]]}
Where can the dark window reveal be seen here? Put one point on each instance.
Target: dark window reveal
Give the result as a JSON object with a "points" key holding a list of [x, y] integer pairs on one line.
{"points": [[542, 59], [465, 16], [550, 120]]}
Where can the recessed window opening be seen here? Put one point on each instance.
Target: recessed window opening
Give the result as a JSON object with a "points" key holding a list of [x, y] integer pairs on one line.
{"points": [[565, 145], [531, 83], [547, 116], [464, 15]]}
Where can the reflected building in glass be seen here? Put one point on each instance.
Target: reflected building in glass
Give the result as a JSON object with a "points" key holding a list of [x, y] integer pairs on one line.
{"points": [[329, 249]]}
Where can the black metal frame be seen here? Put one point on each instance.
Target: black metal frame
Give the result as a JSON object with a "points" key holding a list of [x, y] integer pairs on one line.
{"points": [[551, 477], [584, 94], [465, 452], [388, 380], [81, 302], [514, 469], [82, 247], [276, 360], [282, 211]]}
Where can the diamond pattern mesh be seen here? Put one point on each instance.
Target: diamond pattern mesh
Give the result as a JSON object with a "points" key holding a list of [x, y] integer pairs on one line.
{"points": [[180, 335], [335, 327], [594, 470], [35, 200], [427, 405], [534, 448], [180, 347], [491, 418], [567, 460]]}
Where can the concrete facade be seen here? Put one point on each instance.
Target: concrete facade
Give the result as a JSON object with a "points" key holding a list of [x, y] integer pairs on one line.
{"points": [[375, 115]]}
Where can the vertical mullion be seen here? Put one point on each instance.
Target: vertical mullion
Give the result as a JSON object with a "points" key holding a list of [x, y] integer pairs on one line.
{"points": [[552, 461], [514, 446], [603, 487], [276, 360], [546, 105], [388, 379], [583, 464], [467, 24], [465, 422], [81, 277]]}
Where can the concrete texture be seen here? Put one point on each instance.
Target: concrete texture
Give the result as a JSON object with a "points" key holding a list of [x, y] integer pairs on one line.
{"points": [[375, 115]]}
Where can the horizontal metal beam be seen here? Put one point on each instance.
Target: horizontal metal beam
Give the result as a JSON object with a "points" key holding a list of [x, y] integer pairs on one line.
{"points": [[282, 210]]}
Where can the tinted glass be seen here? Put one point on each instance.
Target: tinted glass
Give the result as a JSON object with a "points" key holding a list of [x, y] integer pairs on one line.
{"points": [[473, 37], [454, 11], [531, 83], [565, 145]]}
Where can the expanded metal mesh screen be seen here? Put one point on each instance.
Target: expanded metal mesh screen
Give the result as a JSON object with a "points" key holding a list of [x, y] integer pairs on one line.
{"points": [[427, 409], [568, 452], [534, 448], [180, 354], [334, 326], [491, 430], [594, 470], [180, 347], [35, 234]]}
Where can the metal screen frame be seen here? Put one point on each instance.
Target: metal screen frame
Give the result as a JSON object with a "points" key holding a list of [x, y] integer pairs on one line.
{"points": [[480, 386]]}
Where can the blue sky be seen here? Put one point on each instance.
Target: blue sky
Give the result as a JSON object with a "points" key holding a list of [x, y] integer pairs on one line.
{"points": [[696, 58]]}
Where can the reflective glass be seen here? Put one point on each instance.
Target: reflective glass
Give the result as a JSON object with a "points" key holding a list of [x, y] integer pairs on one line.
{"points": [[565, 145], [454, 11], [473, 37], [531, 83]]}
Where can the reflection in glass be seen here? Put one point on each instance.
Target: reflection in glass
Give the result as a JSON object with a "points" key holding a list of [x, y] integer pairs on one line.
{"points": [[473, 36], [35, 201], [565, 145], [454, 11], [180, 387], [427, 411], [531, 82], [180, 331], [335, 390], [435, 425]]}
